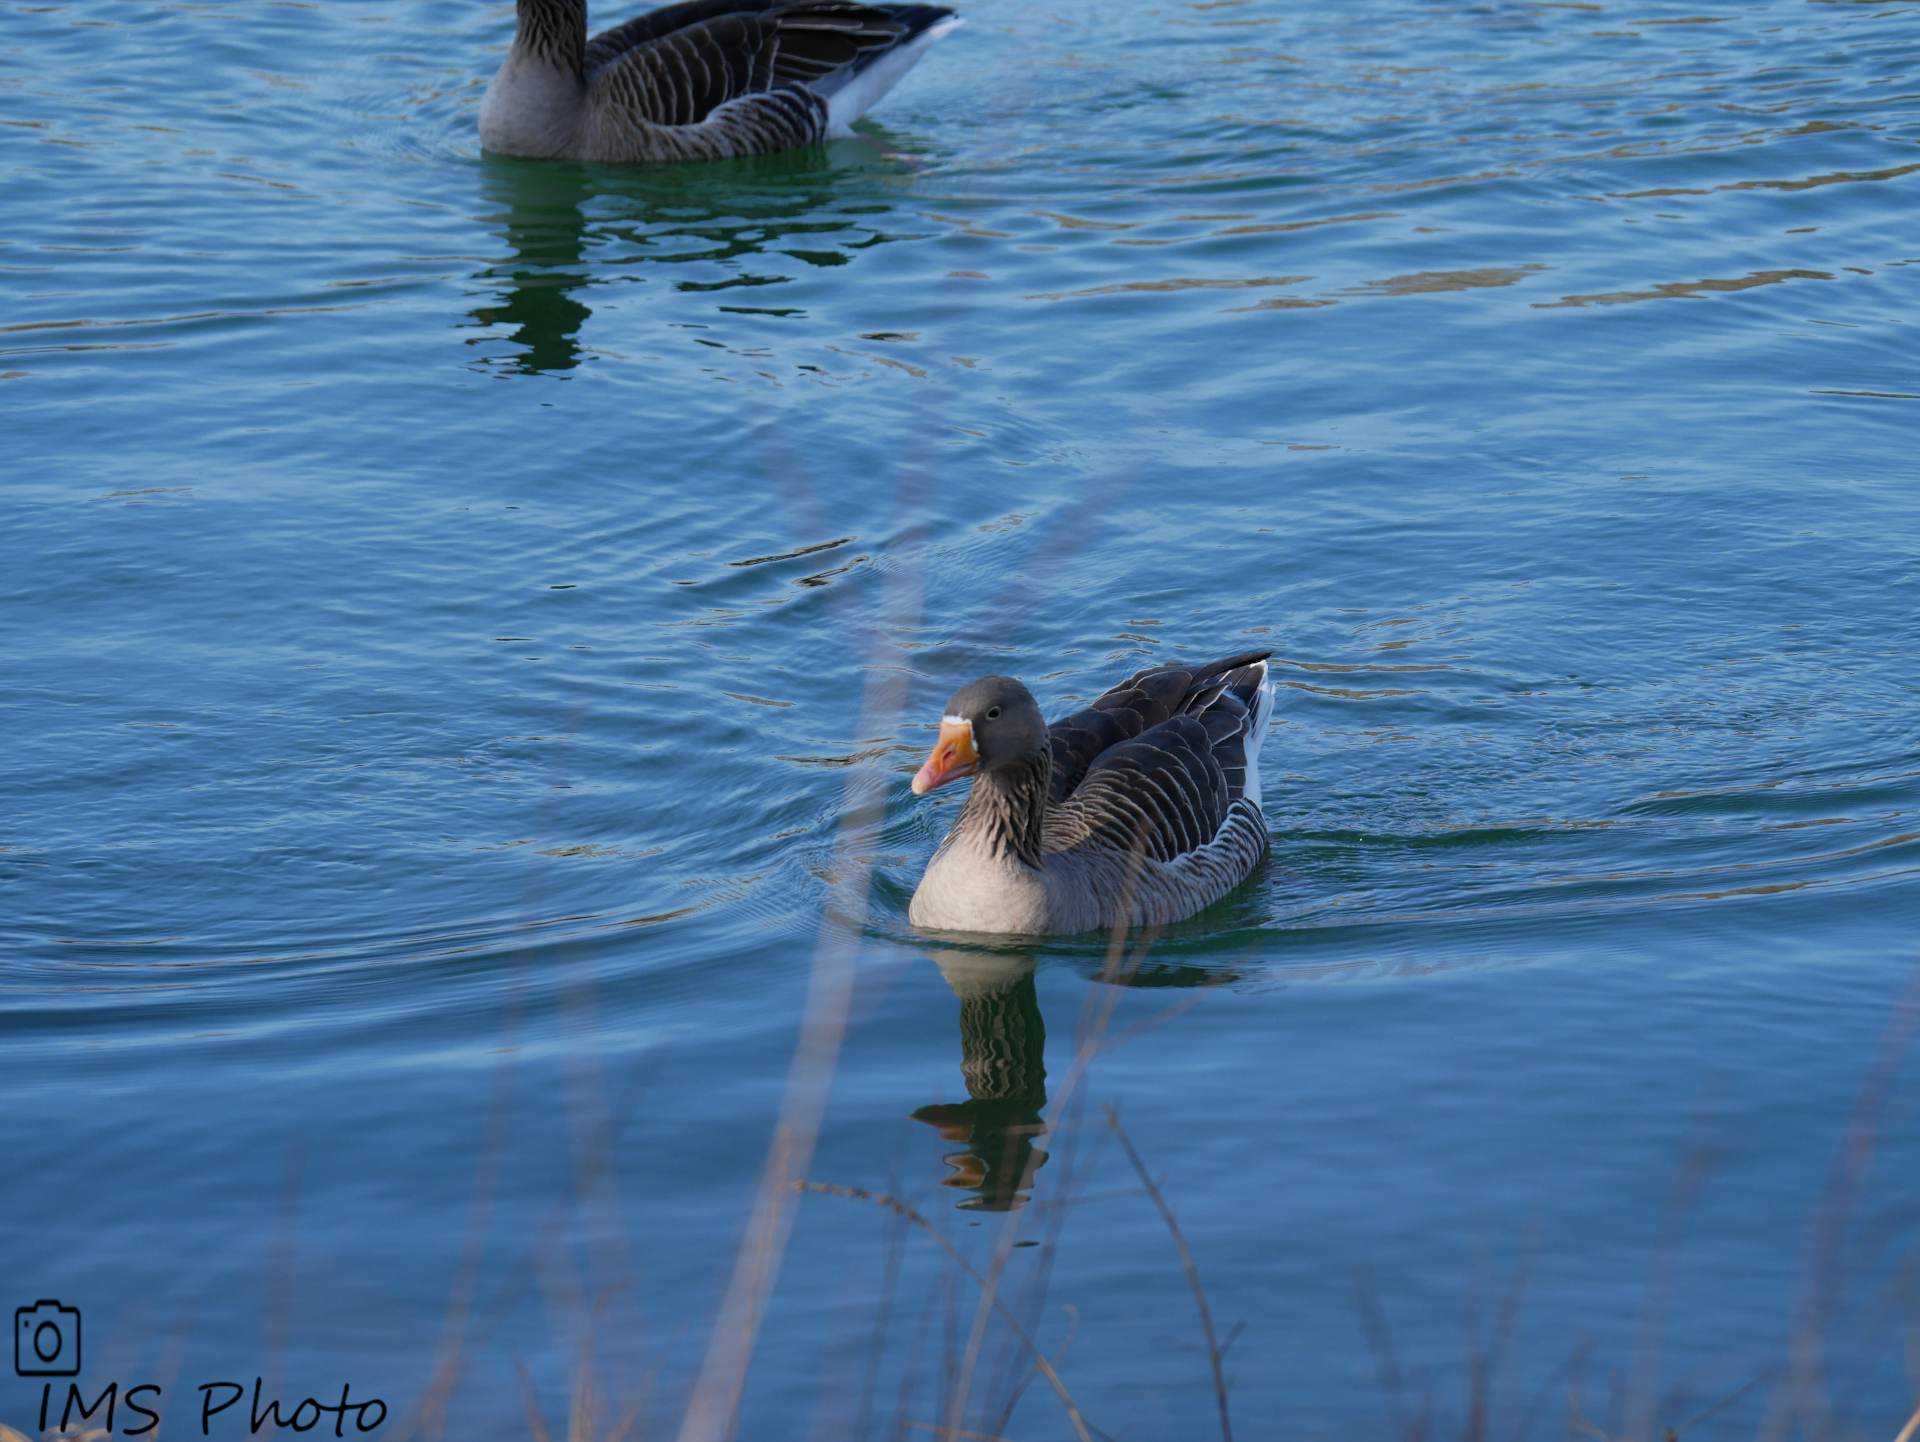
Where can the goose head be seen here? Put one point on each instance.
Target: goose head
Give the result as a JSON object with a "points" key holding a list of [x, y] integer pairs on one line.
{"points": [[989, 725]]}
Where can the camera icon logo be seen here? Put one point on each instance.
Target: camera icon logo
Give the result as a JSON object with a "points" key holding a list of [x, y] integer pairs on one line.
{"points": [[46, 1340]]}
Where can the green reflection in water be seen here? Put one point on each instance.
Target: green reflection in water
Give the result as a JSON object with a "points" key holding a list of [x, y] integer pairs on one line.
{"points": [[571, 227]]}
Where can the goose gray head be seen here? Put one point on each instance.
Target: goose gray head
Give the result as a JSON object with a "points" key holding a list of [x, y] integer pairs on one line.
{"points": [[989, 724]]}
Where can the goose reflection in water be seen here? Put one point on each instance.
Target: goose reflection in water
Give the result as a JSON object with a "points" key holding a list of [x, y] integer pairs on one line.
{"points": [[1003, 1043], [546, 228], [781, 209], [1003, 1046]]}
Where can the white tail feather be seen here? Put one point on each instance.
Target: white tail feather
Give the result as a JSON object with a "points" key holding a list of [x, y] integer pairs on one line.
{"points": [[1256, 733], [860, 94]]}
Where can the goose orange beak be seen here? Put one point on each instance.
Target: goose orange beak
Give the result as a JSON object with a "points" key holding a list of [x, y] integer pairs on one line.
{"points": [[952, 756]]}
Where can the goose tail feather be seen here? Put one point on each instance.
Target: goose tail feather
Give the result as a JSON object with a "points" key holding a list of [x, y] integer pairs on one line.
{"points": [[1262, 709], [852, 93]]}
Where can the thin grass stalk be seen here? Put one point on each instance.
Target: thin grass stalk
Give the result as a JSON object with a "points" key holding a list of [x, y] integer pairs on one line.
{"points": [[1373, 1322], [1723, 1403], [1096, 1010], [1068, 1174], [959, 1259], [280, 1273], [712, 1414], [1523, 1422], [602, 1217], [1483, 1363], [1912, 1333], [429, 1416], [922, 1325], [530, 1404], [982, 1314], [637, 1403], [950, 1350], [583, 1408], [1473, 1427], [713, 1411], [1643, 1378], [883, 1319], [167, 1369], [1216, 1354], [1802, 1390], [549, 1236], [1576, 1420], [1013, 1397]]}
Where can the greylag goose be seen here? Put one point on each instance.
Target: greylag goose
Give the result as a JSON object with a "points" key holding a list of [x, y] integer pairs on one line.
{"points": [[1141, 809], [702, 80]]}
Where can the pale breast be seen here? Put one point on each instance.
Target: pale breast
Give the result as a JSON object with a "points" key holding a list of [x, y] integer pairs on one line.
{"points": [[533, 108], [968, 888]]}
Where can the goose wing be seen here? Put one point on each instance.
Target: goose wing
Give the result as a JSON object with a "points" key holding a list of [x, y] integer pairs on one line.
{"points": [[1167, 782], [678, 64], [1142, 701]]}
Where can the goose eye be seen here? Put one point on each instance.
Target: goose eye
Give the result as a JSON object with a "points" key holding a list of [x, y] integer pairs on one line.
{"points": [[993, 713]]}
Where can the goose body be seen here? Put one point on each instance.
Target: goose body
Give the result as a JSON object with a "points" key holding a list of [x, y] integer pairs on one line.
{"points": [[1139, 810], [699, 80]]}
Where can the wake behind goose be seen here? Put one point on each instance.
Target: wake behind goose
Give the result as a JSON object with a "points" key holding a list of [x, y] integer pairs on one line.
{"points": [[700, 80], [1141, 809]]}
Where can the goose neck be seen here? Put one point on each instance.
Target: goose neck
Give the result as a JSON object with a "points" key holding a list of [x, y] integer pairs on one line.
{"points": [[1007, 809], [554, 30]]}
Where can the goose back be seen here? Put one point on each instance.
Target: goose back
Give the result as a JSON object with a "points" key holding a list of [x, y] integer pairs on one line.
{"points": [[703, 79]]}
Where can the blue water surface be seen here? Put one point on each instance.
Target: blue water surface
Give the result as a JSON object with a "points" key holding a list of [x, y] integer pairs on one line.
{"points": [[462, 614]]}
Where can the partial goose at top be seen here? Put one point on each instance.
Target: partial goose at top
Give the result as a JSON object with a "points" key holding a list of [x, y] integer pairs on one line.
{"points": [[700, 80], [1139, 810]]}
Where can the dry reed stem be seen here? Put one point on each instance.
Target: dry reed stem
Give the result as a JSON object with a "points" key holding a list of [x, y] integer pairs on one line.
{"points": [[990, 1294], [1483, 1365], [1216, 1354], [1374, 1323], [1726, 1401], [923, 1323], [1913, 1424], [1643, 1378], [713, 1411], [172, 1353], [1013, 1393], [580, 1414], [429, 1415], [280, 1272], [901, 1209], [1803, 1390], [530, 1404], [883, 1320]]}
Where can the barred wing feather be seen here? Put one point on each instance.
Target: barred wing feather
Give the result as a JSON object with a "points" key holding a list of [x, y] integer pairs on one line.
{"points": [[698, 80], [678, 65]]}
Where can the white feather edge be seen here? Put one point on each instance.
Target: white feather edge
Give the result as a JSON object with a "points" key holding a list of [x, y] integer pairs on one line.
{"points": [[860, 94], [1257, 733]]}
